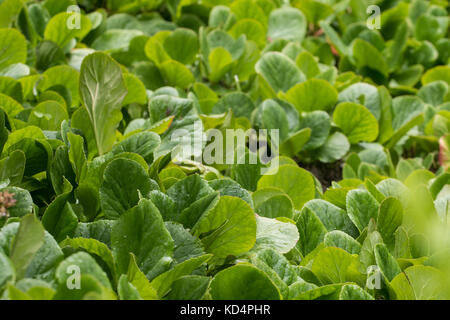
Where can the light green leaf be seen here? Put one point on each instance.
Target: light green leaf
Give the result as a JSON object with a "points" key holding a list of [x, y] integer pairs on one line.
{"points": [[87, 266], [279, 71], [354, 292], [361, 207], [102, 90], [420, 283], [243, 282], [48, 115], [386, 262], [342, 240], [369, 59], [13, 46], [334, 265], [287, 23], [276, 235], [311, 95], [390, 217], [93, 247], [163, 282], [61, 32], [182, 45], [296, 182], [176, 74], [311, 230], [138, 279], [230, 227], [335, 148], [220, 62], [26, 243], [356, 122]]}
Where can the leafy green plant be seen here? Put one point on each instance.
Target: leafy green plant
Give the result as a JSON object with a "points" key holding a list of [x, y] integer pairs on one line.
{"points": [[349, 200]]}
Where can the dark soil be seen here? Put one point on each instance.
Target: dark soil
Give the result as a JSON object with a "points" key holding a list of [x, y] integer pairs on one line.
{"points": [[325, 172]]}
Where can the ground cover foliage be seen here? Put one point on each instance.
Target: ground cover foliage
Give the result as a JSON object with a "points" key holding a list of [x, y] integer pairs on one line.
{"points": [[94, 206]]}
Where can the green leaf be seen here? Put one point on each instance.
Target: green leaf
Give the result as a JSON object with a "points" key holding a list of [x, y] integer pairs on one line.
{"points": [[3, 130], [13, 46], [93, 247], [163, 282], [390, 217], [65, 79], [77, 156], [279, 71], [356, 122], [434, 93], [123, 180], [272, 203], [243, 282], [276, 235], [142, 143], [437, 73], [287, 23], [136, 90], [102, 90], [189, 288], [361, 207], [404, 110], [182, 45], [354, 292], [141, 231], [273, 117], [308, 64], [61, 32], [178, 192], [176, 74], [90, 289], [334, 265], [342, 240], [320, 124], [311, 230], [364, 94], [7, 272], [228, 229], [240, 103], [59, 218], [367, 254], [220, 62], [87, 266], [24, 202], [311, 95], [315, 11], [10, 106], [252, 29], [369, 59], [335, 148], [386, 262], [420, 283], [126, 290], [295, 143], [26, 243], [311, 292], [332, 217], [48, 115], [99, 230], [296, 182], [115, 39], [138, 279], [9, 9], [187, 246]]}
